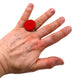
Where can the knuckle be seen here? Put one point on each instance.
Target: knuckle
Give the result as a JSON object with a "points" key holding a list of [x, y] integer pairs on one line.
{"points": [[36, 46], [49, 28], [39, 22], [20, 23], [55, 38], [28, 9], [63, 32], [57, 23], [49, 64], [47, 14]]}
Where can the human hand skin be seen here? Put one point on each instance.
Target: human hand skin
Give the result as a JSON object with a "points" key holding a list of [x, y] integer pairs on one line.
{"points": [[20, 49]]}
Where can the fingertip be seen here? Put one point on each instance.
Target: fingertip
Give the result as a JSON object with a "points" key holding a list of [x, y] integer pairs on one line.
{"points": [[62, 19], [30, 5], [54, 61], [52, 10], [58, 61], [69, 28]]}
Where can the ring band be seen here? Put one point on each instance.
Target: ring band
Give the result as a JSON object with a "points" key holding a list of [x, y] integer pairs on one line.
{"points": [[29, 25]]}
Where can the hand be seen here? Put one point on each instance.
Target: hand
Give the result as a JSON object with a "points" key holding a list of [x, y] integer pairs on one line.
{"points": [[20, 49]]}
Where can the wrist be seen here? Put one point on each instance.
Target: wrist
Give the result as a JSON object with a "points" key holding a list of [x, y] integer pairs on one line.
{"points": [[2, 69], [3, 65], [2, 72]]}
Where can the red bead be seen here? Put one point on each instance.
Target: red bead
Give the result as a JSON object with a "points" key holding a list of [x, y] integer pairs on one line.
{"points": [[29, 25]]}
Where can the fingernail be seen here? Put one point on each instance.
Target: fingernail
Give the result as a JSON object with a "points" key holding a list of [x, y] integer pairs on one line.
{"points": [[68, 29], [52, 10], [59, 62], [30, 5], [62, 19]]}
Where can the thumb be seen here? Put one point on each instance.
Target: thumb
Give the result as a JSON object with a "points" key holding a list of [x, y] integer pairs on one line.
{"points": [[46, 63]]}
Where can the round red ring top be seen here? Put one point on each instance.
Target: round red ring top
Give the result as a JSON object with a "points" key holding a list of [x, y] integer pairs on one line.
{"points": [[29, 25]]}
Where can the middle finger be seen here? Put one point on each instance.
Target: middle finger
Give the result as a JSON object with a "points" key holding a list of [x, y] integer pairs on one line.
{"points": [[40, 20]]}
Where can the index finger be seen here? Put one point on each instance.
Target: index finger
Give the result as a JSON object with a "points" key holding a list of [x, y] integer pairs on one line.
{"points": [[25, 15]]}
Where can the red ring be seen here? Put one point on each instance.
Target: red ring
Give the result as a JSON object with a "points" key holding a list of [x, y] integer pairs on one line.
{"points": [[29, 25]]}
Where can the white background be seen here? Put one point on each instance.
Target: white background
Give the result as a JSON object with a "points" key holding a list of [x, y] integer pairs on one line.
{"points": [[68, 48]]}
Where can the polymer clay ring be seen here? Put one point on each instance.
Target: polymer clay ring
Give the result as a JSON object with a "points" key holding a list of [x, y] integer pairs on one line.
{"points": [[29, 25]]}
